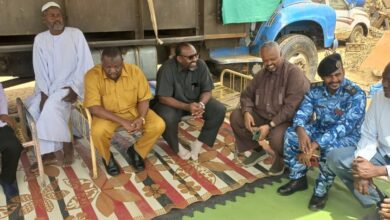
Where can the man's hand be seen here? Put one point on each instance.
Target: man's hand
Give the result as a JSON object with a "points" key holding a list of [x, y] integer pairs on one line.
{"points": [[43, 100], [249, 121], [264, 131], [304, 159], [8, 120], [71, 97], [362, 168], [304, 140], [137, 124], [361, 185], [385, 209], [196, 110], [129, 126]]}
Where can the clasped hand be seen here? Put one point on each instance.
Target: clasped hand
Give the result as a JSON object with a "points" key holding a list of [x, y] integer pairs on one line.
{"points": [[132, 126], [196, 110]]}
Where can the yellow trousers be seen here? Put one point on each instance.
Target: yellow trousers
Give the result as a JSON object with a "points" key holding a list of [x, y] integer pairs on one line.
{"points": [[103, 130]]}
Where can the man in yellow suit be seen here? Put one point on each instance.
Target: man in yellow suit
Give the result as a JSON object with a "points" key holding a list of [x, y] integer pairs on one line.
{"points": [[118, 94]]}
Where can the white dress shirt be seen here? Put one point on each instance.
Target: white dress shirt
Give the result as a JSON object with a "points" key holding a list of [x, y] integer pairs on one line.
{"points": [[376, 129]]}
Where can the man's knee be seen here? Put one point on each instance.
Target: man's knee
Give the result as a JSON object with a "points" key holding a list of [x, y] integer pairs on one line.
{"points": [[276, 138], [159, 125], [98, 131], [236, 119], [340, 158], [216, 109], [14, 148], [169, 115]]}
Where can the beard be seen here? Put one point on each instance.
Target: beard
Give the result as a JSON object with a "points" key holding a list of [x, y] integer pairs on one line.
{"points": [[192, 66], [58, 26]]}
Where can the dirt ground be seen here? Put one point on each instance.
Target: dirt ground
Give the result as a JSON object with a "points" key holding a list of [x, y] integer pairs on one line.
{"points": [[353, 60]]}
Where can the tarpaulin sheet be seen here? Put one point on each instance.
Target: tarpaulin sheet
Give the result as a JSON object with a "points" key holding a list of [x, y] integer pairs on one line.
{"points": [[245, 11]]}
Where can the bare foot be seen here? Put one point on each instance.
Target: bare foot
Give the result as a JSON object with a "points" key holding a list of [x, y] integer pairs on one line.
{"points": [[68, 154], [47, 159]]}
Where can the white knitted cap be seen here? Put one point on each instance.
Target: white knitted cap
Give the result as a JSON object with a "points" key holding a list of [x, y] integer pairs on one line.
{"points": [[50, 4]]}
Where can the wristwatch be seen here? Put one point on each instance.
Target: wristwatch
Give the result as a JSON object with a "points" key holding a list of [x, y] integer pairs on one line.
{"points": [[203, 105], [143, 120]]}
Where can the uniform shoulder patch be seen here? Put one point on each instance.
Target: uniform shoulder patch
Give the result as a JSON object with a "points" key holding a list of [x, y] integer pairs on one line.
{"points": [[350, 89]]}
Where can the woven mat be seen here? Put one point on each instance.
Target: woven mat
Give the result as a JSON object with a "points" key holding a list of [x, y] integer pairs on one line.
{"points": [[167, 182]]}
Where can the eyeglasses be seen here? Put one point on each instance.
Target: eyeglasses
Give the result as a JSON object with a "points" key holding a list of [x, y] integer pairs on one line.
{"points": [[191, 57]]}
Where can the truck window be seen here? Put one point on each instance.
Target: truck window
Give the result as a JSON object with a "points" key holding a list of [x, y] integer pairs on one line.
{"points": [[338, 4], [319, 1]]}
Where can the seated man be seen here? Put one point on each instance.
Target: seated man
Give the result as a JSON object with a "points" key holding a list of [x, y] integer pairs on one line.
{"points": [[184, 87], [61, 57], [118, 94], [338, 105], [357, 166], [269, 103], [10, 149]]}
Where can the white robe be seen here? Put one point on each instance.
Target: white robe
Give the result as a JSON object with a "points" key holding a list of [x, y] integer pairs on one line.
{"points": [[59, 61]]}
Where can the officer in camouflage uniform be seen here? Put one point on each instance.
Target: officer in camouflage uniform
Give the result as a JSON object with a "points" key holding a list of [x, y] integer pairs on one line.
{"points": [[338, 106]]}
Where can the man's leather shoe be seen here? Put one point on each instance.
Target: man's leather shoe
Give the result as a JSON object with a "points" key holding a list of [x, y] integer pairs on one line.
{"points": [[111, 167], [10, 189], [135, 159], [293, 186], [130, 153], [316, 203]]}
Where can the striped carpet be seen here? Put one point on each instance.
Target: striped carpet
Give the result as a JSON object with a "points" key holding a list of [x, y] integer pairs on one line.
{"points": [[167, 182]]}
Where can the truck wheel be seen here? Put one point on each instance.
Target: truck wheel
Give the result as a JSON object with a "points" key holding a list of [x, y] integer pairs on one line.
{"points": [[301, 51], [357, 34]]}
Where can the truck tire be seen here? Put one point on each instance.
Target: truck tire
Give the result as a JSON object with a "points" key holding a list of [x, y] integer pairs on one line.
{"points": [[301, 51], [357, 34]]}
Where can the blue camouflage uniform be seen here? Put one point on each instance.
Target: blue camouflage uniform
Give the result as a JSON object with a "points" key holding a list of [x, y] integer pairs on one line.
{"points": [[337, 123]]}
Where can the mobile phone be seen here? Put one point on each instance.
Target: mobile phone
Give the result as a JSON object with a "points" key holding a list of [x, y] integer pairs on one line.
{"points": [[256, 135]]}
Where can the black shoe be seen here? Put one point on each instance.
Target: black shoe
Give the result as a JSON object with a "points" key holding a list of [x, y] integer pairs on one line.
{"points": [[130, 153], [111, 167], [277, 167], [316, 203], [293, 186], [135, 159], [10, 190]]}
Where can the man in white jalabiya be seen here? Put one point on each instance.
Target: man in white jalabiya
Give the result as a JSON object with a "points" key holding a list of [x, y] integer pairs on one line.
{"points": [[61, 57]]}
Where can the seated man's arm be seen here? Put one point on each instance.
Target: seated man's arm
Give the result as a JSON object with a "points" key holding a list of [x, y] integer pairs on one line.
{"points": [[101, 112], [300, 120], [84, 63], [205, 97], [174, 103]]}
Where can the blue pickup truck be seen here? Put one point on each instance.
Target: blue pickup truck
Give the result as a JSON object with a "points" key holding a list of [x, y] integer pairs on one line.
{"points": [[300, 27]]}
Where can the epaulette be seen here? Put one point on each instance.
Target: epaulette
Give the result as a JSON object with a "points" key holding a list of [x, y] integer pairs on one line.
{"points": [[350, 89], [316, 84]]}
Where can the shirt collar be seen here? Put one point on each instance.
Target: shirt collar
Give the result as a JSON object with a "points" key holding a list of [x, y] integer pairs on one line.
{"points": [[278, 69], [339, 91], [124, 73]]}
